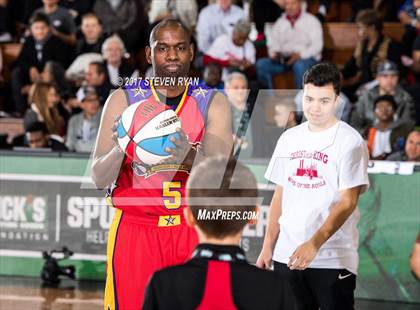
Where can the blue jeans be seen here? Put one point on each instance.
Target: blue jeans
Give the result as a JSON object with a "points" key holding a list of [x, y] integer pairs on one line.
{"points": [[267, 67]]}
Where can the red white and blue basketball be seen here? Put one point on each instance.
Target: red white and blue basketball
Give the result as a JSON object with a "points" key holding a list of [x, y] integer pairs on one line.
{"points": [[144, 131]]}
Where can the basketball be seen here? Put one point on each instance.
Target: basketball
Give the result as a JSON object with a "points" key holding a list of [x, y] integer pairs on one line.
{"points": [[144, 131]]}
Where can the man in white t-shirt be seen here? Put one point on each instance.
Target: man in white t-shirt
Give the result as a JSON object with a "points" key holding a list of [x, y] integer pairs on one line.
{"points": [[320, 168], [233, 52]]}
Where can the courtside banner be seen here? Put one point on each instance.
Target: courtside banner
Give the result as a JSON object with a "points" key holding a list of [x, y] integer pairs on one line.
{"points": [[49, 202]]}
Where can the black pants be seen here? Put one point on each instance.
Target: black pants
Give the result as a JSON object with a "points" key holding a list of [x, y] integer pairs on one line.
{"points": [[325, 289]]}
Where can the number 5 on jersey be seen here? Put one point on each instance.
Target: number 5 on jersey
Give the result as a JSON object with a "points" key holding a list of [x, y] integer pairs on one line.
{"points": [[170, 191]]}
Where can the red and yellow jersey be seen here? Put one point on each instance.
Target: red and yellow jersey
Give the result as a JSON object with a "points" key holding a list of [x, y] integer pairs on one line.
{"points": [[156, 193]]}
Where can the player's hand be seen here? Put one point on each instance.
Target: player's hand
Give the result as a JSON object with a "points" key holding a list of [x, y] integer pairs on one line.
{"points": [[265, 259], [303, 256], [183, 153]]}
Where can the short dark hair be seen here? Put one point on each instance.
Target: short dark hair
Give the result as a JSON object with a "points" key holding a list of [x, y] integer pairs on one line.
{"points": [[388, 98], [369, 18], [37, 126], [100, 67], [92, 15], [169, 23], [323, 74], [40, 18], [223, 184]]}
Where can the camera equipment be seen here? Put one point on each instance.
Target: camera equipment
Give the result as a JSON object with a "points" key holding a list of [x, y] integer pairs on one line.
{"points": [[52, 270]]}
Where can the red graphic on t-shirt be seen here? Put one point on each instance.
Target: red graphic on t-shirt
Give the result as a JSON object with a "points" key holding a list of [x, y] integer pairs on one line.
{"points": [[309, 171]]}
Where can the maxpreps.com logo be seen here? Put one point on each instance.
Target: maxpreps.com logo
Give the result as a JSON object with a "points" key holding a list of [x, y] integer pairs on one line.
{"points": [[23, 217]]}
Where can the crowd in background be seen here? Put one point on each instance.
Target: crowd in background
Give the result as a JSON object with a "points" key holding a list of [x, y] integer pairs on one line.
{"points": [[74, 53]]}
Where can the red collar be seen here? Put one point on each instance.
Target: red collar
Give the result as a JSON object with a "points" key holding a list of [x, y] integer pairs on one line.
{"points": [[293, 19]]}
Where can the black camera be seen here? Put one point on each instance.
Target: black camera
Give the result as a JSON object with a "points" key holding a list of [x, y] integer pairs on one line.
{"points": [[51, 271]]}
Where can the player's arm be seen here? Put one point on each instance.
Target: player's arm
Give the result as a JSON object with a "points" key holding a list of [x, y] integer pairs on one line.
{"points": [[107, 155], [339, 213], [273, 230], [218, 139]]}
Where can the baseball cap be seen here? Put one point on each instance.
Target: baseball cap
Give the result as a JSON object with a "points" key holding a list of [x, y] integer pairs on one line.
{"points": [[387, 67]]}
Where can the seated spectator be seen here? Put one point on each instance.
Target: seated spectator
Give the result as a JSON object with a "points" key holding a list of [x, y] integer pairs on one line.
{"points": [[96, 77], [113, 51], [214, 20], [61, 21], [83, 127], [236, 89], [413, 77], [43, 108], [411, 150], [37, 49], [212, 76], [385, 136], [37, 137], [233, 52], [92, 36], [5, 22], [218, 275], [265, 11], [387, 84], [285, 115], [184, 10], [296, 44], [409, 15], [126, 18], [54, 73], [372, 49]]}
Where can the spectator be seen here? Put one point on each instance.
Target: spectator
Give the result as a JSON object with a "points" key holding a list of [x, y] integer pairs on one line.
{"points": [[212, 76], [54, 73], [285, 115], [372, 49], [233, 52], [387, 84], [96, 77], [236, 89], [37, 49], [83, 127], [214, 20], [409, 15], [93, 38], [413, 77], [415, 258], [184, 10], [385, 136], [37, 137], [43, 108], [296, 44], [411, 150], [113, 51], [123, 17], [5, 22], [61, 21]]}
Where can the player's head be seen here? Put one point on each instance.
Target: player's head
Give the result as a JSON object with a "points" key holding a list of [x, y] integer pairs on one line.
{"points": [[170, 50], [221, 186], [384, 108], [37, 135], [412, 146], [40, 26], [321, 88]]}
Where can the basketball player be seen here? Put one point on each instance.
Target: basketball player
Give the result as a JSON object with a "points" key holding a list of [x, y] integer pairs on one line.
{"points": [[149, 231], [218, 276], [320, 168]]}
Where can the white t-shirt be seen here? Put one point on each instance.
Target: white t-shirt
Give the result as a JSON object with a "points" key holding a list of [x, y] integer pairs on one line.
{"points": [[312, 167], [381, 143], [223, 48]]}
